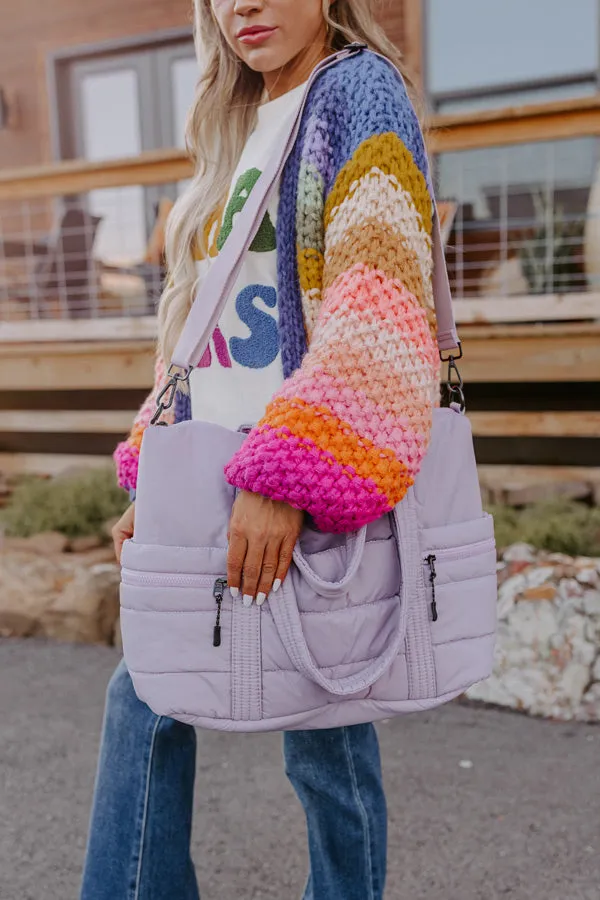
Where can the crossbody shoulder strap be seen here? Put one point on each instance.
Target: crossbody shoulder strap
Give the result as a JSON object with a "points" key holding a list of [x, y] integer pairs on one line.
{"points": [[220, 280]]}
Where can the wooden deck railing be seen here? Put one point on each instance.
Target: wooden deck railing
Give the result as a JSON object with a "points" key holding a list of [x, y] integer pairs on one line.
{"points": [[445, 133], [68, 388]]}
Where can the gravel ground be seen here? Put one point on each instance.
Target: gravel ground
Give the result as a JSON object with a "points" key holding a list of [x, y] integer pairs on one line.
{"points": [[523, 821]]}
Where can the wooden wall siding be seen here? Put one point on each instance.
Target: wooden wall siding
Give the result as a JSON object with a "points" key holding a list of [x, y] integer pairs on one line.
{"points": [[31, 31], [532, 395]]}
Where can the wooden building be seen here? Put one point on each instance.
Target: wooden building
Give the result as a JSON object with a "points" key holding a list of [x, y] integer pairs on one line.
{"points": [[51, 51], [93, 98]]}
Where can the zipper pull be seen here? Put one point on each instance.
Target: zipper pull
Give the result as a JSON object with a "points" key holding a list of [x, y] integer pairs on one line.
{"points": [[431, 561], [218, 591]]}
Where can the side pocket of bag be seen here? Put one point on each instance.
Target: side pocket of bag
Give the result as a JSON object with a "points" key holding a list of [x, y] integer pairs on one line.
{"points": [[459, 570], [173, 600]]}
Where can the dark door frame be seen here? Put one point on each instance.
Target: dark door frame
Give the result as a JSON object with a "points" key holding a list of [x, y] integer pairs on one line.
{"points": [[58, 65]]}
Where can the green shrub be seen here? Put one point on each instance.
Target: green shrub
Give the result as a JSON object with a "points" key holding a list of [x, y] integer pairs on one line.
{"points": [[560, 526], [75, 505]]}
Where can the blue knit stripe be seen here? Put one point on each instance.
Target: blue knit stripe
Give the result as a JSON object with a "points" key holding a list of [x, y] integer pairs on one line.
{"points": [[352, 101]]}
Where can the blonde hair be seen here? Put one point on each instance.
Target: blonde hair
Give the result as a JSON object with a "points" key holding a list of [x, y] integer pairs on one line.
{"points": [[219, 123]]}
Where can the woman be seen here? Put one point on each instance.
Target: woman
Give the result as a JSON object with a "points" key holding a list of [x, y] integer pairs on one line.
{"points": [[332, 317]]}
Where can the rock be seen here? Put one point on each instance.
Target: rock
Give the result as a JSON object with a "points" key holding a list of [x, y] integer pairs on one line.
{"points": [[538, 575], [590, 604], [48, 543], [519, 553], [104, 554], [534, 624], [87, 609], [589, 711], [572, 684], [548, 648], [29, 584], [559, 559], [570, 589], [508, 593], [85, 544], [543, 592], [588, 576]]}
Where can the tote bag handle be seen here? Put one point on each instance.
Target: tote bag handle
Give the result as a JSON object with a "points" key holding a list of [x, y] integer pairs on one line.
{"points": [[288, 619], [220, 280]]}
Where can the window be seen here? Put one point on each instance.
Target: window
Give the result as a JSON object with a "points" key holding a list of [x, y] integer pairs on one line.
{"points": [[481, 53], [522, 217], [114, 105]]}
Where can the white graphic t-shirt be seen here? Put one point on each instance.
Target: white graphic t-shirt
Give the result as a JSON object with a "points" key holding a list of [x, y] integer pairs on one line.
{"points": [[241, 369]]}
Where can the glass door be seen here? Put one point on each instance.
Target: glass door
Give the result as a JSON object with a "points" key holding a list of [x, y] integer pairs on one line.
{"points": [[121, 106]]}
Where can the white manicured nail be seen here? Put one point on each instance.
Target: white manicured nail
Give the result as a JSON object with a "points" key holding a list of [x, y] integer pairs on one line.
{"points": [[276, 585], [261, 599], [247, 600], [235, 592]]}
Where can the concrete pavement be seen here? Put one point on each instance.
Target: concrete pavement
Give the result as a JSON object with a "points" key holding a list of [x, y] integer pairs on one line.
{"points": [[522, 822]]}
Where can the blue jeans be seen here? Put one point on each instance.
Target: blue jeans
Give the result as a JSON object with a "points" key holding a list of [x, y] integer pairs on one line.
{"points": [[139, 840]]}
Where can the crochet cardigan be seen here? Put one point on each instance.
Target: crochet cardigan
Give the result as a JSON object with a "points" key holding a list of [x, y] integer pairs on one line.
{"points": [[345, 436]]}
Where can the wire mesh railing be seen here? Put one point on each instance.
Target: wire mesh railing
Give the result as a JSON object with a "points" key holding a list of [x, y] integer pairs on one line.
{"points": [[526, 218], [82, 240], [88, 257]]}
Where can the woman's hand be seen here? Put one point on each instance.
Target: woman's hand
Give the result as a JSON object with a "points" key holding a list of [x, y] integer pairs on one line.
{"points": [[262, 537], [123, 530]]}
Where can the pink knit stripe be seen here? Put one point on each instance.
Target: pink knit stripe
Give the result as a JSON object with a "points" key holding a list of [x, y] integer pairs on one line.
{"points": [[372, 340], [386, 386], [364, 417], [381, 299], [126, 458], [294, 471]]}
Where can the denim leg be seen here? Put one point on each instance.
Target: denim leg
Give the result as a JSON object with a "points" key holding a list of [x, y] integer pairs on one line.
{"points": [[336, 774], [140, 828]]}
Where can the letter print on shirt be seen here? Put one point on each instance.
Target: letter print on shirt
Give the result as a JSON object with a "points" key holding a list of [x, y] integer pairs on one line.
{"points": [[242, 369], [264, 242], [262, 347]]}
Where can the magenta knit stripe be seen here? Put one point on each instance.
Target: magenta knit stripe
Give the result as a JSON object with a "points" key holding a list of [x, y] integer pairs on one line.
{"points": [[295, 471]]}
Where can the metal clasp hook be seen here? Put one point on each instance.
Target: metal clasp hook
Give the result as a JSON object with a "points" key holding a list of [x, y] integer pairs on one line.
{"points": [[454, 383], [166, 398]]}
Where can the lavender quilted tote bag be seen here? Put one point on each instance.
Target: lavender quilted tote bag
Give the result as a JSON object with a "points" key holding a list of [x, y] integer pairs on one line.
{"points": [[396, 618]]}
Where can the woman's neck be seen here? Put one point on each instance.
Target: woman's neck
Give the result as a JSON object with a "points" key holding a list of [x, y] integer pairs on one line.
{"points": [[296, 72]]}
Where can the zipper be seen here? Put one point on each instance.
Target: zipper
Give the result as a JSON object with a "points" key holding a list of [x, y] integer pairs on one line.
{"points": [[165, 579], [431, 561], [170, 580], [218, 591], [449, 555], [452, 553]]}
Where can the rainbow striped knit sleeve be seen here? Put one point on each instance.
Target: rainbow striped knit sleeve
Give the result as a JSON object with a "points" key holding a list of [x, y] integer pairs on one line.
{"points": [[345, 436], [127, 454]]}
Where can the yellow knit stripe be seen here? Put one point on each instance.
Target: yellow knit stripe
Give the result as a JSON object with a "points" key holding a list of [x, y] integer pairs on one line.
{"points": [[387, 153]]}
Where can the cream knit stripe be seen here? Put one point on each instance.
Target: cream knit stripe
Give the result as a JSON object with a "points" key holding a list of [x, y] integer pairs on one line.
{"points": [[380, 196]]}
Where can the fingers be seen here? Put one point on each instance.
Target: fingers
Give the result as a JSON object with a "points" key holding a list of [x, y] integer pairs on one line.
{"points": [[262, 536], [286, 555], [252, 571], [268, 573], [238, 546]]}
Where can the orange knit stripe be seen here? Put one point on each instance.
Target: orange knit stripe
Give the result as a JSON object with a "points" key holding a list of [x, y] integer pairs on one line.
{"points": [[333, 435]]}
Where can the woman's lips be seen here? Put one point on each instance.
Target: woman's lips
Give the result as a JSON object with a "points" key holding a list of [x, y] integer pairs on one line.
{"points": [[256, 37]]}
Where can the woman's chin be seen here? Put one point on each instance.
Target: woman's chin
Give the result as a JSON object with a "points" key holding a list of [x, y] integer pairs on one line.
{"points": [[265, 60]]}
